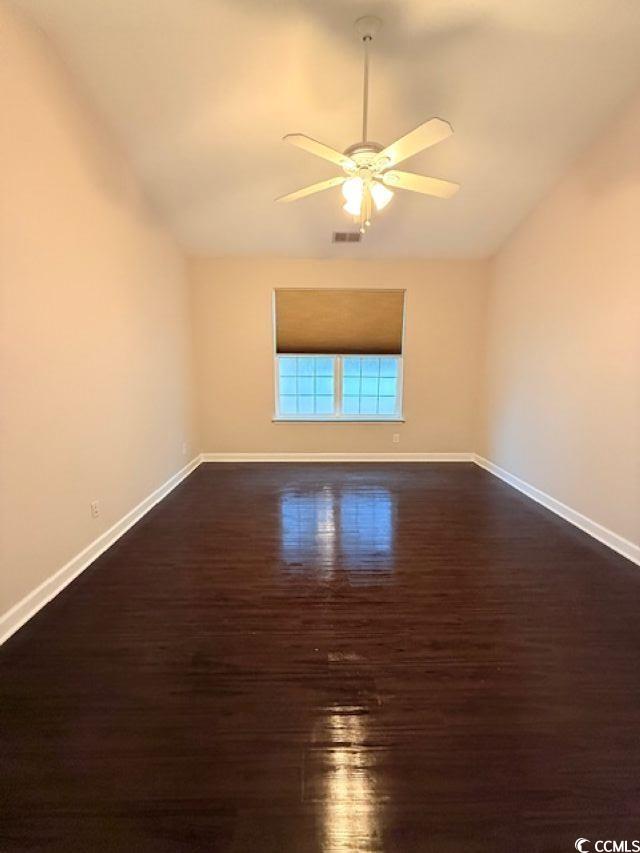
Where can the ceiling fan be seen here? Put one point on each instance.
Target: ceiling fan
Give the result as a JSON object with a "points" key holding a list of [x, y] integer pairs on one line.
{"points": [[367, 166]]}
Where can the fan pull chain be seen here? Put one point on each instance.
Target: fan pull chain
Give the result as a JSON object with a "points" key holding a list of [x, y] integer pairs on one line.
{"points": [[366, 210]]}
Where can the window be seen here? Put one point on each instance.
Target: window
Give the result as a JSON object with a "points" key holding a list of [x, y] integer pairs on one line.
{"points": [[338, 353], [307, 385], [338, 387], [370, 385]]}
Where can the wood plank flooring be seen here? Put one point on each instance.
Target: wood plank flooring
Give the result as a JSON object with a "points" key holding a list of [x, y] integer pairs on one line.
{"points": [[331, 658]]}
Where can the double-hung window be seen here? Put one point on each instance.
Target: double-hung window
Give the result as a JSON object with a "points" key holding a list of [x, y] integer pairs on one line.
{"points": [[338, 355]]}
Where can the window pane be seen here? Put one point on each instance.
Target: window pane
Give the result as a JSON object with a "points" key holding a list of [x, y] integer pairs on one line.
{"points": [[387, 388], [305, 405], [287, 384], [370, 366], [386, 405], [288, 405], [306, 365], [324, 366], [351, 385], [371, 392], [324, 385], [324, 405], [351, 405], [369, 387], [287, 366], [388, 367], [351, 366], [305, 385]]}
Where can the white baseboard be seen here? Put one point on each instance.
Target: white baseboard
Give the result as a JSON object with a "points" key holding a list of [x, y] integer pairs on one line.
{"points": [[618, 543], [34, 601], [337, 457]]}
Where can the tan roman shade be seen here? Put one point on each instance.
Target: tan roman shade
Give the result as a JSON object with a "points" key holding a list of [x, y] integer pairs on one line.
{"points": [[339, 321]]}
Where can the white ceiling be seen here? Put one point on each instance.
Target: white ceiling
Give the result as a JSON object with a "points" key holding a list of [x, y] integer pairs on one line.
{"points": [[200, 92]]}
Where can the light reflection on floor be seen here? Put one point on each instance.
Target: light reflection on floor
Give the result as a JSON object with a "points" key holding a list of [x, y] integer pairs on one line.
{"points": [[350, 816], [352, 528]]}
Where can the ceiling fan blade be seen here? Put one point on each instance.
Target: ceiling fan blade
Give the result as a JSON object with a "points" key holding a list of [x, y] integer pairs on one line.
{"points": [[320, 150], [427, 134], [420, 183], [313, 188]]}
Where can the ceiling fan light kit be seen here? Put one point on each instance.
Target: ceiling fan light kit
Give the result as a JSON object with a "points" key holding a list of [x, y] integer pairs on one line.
{"points": [[369, 179]]}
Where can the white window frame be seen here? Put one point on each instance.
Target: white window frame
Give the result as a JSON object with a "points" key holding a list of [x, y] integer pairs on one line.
{"points": [[339, 417]]}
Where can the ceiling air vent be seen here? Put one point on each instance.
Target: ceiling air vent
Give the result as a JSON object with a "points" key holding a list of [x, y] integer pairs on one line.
{"points": [[346, 236]]}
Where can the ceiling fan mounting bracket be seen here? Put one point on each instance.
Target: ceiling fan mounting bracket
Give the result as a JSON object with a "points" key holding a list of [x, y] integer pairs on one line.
{"points": [[368, 27]]}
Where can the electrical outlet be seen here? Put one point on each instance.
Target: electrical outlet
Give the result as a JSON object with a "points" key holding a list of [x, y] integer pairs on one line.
{"points": [[95, 509], [396, 438]]}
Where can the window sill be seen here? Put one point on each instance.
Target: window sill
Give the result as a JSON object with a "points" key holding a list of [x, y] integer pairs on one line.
{"points": [[363, 420]]}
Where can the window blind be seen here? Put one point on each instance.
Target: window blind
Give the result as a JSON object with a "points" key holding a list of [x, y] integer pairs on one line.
{"points": [[339, 321]]}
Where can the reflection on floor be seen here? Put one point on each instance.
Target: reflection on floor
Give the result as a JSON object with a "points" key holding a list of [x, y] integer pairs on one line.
{"points": [[329, 530], [350, 819]]}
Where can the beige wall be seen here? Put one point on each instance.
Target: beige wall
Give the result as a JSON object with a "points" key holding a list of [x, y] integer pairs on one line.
{"points": [[95, 390], [234, 345], [563, 339]]}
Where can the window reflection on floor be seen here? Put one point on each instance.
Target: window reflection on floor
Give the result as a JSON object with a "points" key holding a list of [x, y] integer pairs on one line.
{"points": [[351, 803], [349, 531]]}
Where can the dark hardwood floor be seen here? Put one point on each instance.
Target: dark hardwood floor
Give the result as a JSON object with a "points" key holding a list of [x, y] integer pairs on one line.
{"points": [[330, 658]]}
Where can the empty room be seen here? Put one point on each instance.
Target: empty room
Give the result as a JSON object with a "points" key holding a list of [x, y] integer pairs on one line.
{"points": [[320, 426]]}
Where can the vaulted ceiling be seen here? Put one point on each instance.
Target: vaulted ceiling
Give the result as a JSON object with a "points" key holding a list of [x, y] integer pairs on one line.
{"points": [[200, 92]]}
